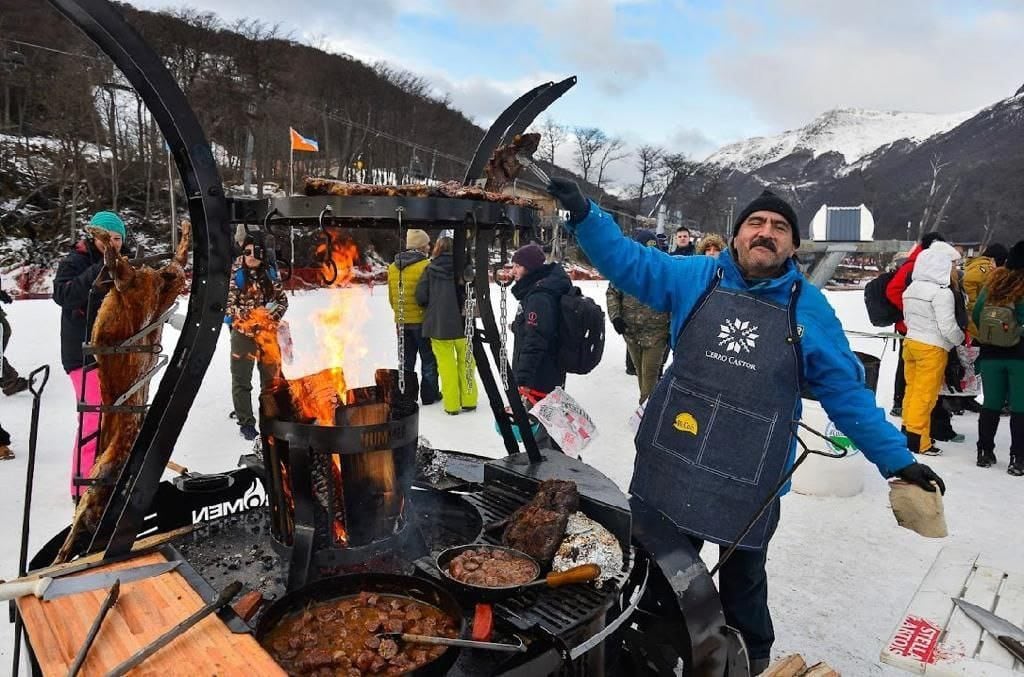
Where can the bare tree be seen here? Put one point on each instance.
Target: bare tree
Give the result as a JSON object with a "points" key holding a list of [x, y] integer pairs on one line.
{"points": [[613, 151], [589, 142], [937, 166], [648, 159], [673, 172], [552, 135]]}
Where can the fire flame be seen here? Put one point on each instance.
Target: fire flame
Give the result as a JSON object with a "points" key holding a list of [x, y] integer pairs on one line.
{"points": [[339, 327], [263, 328]]}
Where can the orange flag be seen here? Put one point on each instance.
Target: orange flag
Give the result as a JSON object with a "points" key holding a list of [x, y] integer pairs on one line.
{"points": [[299, 142]]}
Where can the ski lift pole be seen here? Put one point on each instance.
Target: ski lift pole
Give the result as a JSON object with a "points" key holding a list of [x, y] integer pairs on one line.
{"points": [[844, 448], [33, 436]]}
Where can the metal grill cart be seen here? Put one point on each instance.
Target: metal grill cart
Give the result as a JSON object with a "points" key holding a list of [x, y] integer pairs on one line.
{"points": [[660, 615]]}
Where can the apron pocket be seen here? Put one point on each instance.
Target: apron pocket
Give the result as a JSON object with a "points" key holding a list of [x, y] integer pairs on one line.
{"points": [[709, 433], [737, 443]]}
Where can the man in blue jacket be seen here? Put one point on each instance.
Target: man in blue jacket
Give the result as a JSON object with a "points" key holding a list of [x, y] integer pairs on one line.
{"points": [[718, 432]]}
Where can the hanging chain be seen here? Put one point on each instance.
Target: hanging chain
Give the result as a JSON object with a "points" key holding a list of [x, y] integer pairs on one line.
{"points": [[503, 314], [470, 312], [401, 310]]}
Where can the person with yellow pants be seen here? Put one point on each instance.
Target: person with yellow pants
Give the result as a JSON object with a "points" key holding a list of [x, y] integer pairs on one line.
{"points": [[444, 325], [929, 310]]}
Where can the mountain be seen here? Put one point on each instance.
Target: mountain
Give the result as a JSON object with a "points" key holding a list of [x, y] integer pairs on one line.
{"points": [[851, 132], [958, 173]]}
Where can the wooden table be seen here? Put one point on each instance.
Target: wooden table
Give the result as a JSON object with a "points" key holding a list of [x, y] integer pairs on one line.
{"points": [[145, 609], [934, 637]]}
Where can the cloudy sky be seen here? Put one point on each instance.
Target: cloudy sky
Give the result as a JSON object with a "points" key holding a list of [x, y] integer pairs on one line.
{"points": [[687, 74]]}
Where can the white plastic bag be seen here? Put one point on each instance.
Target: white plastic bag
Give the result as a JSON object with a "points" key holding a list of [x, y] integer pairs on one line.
{"points": [[284, 340], [565, 421]]}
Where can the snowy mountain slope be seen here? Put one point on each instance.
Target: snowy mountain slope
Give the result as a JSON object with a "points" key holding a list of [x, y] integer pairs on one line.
{"points": [[853, 132]]}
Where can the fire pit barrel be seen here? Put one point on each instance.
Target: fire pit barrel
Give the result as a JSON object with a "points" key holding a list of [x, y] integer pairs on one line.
{"points": [[337, 488]]}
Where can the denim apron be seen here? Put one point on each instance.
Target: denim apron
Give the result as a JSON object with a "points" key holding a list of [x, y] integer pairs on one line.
{"points": [[717, 431]]}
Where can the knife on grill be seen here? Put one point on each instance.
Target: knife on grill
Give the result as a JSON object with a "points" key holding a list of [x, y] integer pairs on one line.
{"points": [[47, 588], [1010, 636]]}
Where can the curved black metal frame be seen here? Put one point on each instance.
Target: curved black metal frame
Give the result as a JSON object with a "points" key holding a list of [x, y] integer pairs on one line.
{"points": [[382, 211], [211, 265]]}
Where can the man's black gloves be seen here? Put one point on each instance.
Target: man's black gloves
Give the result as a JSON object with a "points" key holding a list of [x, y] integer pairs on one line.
{"points": [[569, 195], [922, 476], [618, 325], [5, 297]]}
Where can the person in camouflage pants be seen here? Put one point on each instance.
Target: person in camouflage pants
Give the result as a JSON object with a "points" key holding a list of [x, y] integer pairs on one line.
{"points": [[644, 329]]}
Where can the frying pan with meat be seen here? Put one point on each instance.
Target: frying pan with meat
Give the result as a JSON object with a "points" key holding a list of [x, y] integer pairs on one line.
{"points": [[338, 587], [580, 574]]}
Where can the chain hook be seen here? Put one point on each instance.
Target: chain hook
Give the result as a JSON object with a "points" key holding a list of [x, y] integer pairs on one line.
{"points": [[328, 262]]}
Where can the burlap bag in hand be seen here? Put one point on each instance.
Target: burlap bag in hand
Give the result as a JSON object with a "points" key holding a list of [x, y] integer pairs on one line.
{"points": [[917, 509]]}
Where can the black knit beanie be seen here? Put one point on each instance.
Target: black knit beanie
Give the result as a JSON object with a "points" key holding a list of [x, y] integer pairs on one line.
{"points": [[1015, 259], [996, 252], [770, 202]]}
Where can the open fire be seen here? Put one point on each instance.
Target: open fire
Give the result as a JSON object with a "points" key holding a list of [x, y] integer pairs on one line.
{"points": [[339, 459]]}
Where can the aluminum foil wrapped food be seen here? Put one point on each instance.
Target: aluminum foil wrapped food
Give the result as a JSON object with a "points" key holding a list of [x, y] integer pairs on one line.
{"points": [[587, 542]]}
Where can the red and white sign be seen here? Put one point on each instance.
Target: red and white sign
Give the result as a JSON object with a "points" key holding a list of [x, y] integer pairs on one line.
{"points": [[916, 638]]}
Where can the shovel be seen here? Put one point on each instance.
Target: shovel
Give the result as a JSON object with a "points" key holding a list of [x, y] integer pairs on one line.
{"points": [[198, 483]]}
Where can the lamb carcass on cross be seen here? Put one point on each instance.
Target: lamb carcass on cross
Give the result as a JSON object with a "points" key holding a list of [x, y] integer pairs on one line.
{"points": [[138, 297]]}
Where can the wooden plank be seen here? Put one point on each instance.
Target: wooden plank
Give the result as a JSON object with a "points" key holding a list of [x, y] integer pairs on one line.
{"points": [[145, 610]]}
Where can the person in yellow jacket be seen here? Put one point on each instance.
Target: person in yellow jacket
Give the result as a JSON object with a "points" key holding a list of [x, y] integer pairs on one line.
{"points": [[976, 273], [409, 266]]}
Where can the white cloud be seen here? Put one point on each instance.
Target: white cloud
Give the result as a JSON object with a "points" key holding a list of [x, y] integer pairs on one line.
{"points": [[808, 56]]}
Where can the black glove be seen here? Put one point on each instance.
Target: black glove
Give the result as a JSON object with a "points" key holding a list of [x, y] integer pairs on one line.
{"points": [[922, 476], [618, 325], [569, 195], [5, 297]]}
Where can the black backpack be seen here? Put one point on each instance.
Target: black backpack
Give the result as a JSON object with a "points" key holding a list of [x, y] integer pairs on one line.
{"points": [[580, 332], [881, 311]]}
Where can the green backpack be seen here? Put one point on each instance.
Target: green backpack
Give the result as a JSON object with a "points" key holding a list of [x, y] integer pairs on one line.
{"points": [[998, 326]]}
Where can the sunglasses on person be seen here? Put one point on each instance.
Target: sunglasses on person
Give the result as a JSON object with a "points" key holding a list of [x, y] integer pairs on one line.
{"points": [[249, 251]]}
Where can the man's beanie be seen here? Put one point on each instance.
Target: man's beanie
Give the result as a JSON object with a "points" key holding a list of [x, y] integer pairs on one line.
{"points": [[770, 202], [931, 238], [109, 221], [996, 252], [645, 237], [529, 256], [416, 239], [1015, 259]]}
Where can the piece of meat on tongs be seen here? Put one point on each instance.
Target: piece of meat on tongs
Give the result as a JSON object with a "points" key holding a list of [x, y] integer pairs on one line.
{"points": [[505, 164], [139, 296]]}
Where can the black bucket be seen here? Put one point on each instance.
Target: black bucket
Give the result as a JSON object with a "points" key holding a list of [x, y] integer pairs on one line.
{"points": [[871, 366]]}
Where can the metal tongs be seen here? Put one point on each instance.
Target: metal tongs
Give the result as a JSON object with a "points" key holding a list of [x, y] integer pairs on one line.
{"points": [[519, 647], [527, 162]]}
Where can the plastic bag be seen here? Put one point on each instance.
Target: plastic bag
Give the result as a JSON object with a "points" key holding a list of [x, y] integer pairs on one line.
{"points": [[565, 421], [284, 339]]}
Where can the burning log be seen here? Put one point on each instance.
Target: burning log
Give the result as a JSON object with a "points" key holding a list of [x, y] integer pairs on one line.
{"points": [[137, 299], [373, 498], [310, 399]]}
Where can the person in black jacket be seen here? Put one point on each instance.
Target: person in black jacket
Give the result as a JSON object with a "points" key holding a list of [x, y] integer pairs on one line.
{"points": [[539, 287], [684, 243], [75, 291], [10, 381], [445, 326], [5, 445]]}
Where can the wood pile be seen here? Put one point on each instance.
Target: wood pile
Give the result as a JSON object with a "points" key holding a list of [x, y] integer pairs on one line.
{"points": [[794, 665]]}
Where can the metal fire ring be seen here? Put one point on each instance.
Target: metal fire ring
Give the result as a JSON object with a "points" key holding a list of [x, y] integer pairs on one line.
{"points": [[348, 439]]}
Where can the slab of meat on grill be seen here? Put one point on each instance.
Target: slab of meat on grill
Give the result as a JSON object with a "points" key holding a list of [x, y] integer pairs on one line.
{"points": [[453, 189], [138, 297], [503, 166], [538, 527]]}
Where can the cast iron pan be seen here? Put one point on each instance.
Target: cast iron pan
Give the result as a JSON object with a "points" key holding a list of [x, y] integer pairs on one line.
{"points": [[482, 593], [337, 587]]}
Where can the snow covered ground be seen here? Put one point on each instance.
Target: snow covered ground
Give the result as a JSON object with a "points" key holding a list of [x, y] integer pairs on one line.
{"points": [[841, 571]]}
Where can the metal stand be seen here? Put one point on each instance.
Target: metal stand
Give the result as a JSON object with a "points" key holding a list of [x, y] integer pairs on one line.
{"points": [[33, 436]]}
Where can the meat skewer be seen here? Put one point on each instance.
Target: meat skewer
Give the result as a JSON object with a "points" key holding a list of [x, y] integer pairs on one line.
{"points": [[138, 298]]}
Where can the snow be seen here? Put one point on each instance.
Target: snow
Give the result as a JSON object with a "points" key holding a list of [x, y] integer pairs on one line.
{"points": [[841, 571], [853, 132]]}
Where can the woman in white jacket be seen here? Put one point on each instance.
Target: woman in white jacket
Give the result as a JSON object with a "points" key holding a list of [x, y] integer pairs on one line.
{"points": [[932, 330]]}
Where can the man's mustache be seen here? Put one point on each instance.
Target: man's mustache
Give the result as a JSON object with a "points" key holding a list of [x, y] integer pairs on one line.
{"points": [[763, 242]]}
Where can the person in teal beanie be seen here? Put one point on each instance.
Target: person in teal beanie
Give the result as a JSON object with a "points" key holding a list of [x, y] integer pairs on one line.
{"points": [[79, 298]]}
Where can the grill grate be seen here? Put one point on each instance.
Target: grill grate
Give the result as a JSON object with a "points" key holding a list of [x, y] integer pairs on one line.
{"points": [[560, 612]]}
